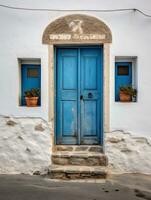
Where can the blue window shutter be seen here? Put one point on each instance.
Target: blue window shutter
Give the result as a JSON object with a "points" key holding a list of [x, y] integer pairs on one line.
{"points": [[123, 76], [30, 78]]}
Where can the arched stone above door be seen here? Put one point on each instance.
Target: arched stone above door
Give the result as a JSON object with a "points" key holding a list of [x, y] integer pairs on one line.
{"points": [[77, 28]]}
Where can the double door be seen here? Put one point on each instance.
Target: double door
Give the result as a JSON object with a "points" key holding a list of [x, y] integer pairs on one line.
{"points": [[79, 95]]}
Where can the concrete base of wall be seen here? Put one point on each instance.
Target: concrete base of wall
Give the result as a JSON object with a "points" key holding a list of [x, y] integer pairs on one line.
{"points": [[25, 147], [128, 153]]}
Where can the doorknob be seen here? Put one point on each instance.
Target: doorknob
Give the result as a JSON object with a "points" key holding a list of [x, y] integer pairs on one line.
{"points": [[81, 97], [90, 95]]}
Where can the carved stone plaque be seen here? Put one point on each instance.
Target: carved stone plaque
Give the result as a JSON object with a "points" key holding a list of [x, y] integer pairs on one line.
{"points": [[76, 29]]}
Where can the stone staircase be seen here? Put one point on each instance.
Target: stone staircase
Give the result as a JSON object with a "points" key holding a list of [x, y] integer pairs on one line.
{"points": [[78, 162]]}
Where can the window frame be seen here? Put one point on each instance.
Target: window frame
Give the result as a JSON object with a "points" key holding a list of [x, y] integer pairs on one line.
{"points": [[31, 63], [134, 61]]}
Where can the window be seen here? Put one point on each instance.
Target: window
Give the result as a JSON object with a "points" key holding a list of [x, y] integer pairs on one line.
{"points": [[125, 75], [30, 78], [123, 70], [32, 73]]}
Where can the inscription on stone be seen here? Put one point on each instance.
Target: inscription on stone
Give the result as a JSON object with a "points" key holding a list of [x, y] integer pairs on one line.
{"points": [[77, 36], [77, 29], [77, 33]]}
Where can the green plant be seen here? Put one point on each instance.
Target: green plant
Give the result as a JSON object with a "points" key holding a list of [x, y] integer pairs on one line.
{"points": [[34, 92], [128, 90]]}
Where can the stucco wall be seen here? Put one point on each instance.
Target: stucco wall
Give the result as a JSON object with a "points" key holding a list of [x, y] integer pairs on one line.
{"points": [[128, 153], [25, 147], [21, 37]]}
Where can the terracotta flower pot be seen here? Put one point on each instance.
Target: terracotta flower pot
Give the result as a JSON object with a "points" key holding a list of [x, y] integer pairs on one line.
{"points": [[125, 97], [31, 101]]}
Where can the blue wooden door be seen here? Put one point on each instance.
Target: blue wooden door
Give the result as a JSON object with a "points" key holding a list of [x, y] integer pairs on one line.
{"points": [[92, 93], [79, 100], [31, 78], [67, 96], [123, 76]]}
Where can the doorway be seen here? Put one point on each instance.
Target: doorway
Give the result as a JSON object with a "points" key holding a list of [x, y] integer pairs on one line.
{"points": [[79, 95]]}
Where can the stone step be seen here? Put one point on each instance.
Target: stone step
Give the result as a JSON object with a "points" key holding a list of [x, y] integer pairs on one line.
{"points": [[77, 172], [87, 148], [79, 158]]}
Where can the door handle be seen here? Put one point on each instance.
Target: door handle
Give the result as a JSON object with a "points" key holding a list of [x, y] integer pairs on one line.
{"points": [[90, 95], [81, 97]]}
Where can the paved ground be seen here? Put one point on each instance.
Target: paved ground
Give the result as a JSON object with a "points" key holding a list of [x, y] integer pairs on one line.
{"points": [[125, 187]]}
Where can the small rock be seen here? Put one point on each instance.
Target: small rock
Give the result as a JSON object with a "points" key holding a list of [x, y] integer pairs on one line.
{"points": [[126, 150], [45, 171], [77, 161], [96, 149], [93, 161], [39, 127], [115, 140], [27, 149], [140, 194], [19, 137], [64, 148], [11, 122], [81, 148], [60, 161], [36, 173]]}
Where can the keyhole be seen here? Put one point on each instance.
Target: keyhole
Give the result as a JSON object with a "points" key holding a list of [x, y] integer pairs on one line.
{"points": [[90, 95]]}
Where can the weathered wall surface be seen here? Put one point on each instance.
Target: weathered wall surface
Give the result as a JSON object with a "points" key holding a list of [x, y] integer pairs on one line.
{"points": [[24, 149], [25, 145], [128, 153]]}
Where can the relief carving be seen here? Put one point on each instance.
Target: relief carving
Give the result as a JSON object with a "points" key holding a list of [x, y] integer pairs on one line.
{"points": [[77, 29]]}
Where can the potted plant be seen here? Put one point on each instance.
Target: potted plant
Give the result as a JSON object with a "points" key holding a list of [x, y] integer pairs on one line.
{"points": [[127, 93], [32, 96]]}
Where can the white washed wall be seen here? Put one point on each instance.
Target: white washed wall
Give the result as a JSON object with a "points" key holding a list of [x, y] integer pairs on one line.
{"points": [[21, 35]]}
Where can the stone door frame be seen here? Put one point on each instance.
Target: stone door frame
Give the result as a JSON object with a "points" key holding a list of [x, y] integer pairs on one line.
{"points": [[51, 64], [106, 91]]}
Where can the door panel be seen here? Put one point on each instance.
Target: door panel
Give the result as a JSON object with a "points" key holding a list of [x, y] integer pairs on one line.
{"points": [[69, 69], [90, 71], [79, 95], [69, 116], [90, 122], [67, 90], [91, 88]]}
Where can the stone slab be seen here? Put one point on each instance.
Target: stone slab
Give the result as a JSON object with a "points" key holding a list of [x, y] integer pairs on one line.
{"points": [[86, 159], [79, 148], [76, 172]]}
